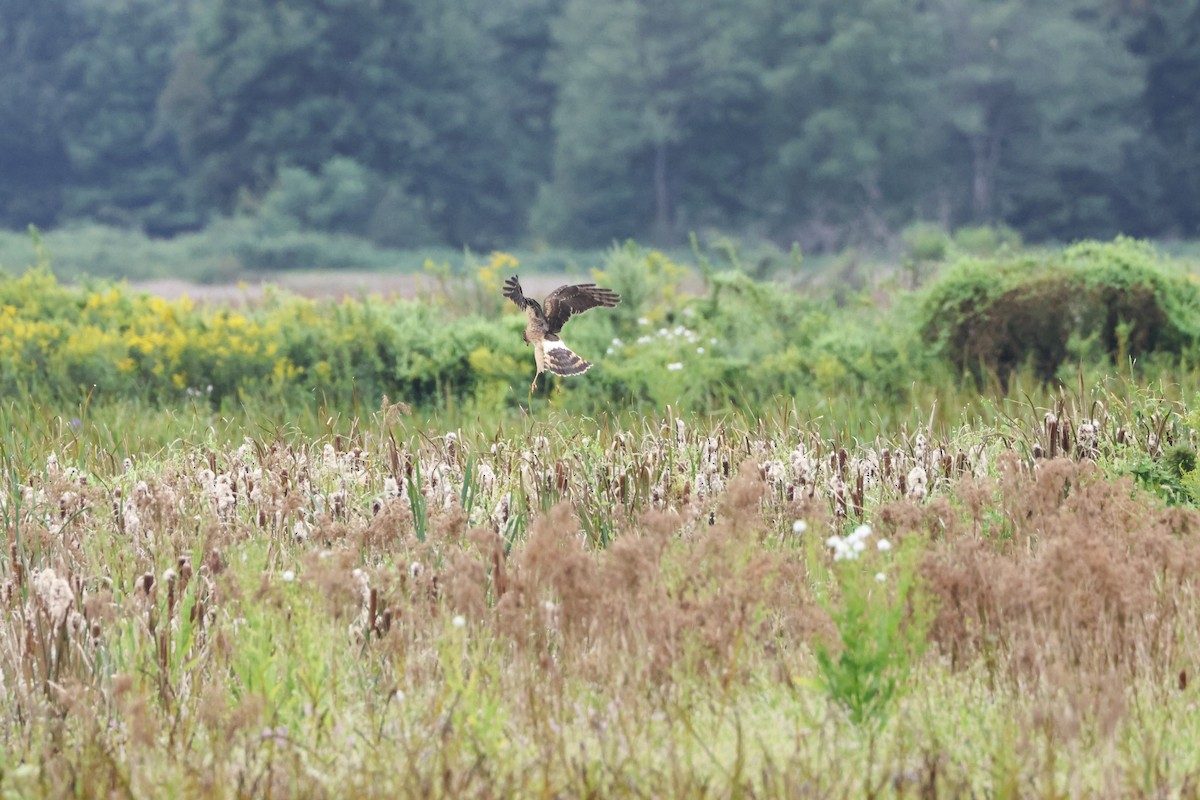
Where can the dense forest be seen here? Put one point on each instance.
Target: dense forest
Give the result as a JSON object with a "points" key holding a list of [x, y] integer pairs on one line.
{"points": [[575, 122]]}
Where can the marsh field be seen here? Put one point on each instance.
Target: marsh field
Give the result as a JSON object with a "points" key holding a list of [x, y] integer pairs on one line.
{"points": [[929, 532]]}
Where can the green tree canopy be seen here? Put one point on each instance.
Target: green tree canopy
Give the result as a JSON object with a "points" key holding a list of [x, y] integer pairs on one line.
{"points": [[578, 122]]}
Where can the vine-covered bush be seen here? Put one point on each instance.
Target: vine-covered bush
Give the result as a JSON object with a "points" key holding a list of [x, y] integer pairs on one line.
{"points": [[1114, 300]]}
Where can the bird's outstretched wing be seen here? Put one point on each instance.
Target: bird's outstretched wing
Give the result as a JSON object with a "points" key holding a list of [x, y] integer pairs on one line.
{"points": [[512, 290], [566, 301]]}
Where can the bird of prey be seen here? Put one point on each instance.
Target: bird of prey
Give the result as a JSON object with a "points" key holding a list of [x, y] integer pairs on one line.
{"points": [[549, 352]]}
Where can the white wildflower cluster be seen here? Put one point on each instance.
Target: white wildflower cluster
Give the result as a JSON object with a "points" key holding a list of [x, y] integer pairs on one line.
{"points": [[193, 392], [848, 548], [680, 334]]}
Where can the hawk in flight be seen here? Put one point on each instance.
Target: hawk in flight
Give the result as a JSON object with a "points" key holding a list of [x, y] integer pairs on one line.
{"points": [[545, 323]]}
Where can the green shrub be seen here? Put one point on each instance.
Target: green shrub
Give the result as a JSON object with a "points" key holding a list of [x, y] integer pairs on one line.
{"points": [[986, 240], [925, 241], [1119, 299]]}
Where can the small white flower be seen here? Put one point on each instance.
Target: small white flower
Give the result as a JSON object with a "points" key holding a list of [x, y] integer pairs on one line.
{"points": [[288, 576], [861, 532], [845, 549], [700, 350], [675, 366], [398, 695], [643, 340], [879, 576], [884, 545], [643, 321], [799, 526], [458, 621]]}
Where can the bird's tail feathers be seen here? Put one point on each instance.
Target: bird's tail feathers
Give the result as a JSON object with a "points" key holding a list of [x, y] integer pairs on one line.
{"points": [[562, 361]]}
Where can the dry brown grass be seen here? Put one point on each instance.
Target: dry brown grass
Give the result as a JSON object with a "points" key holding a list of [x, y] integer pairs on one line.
{"points": [[637, 617]]}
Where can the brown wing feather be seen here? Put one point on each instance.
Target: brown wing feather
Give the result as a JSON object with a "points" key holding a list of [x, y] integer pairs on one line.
{"points": [[512, 290], [566, 301]]}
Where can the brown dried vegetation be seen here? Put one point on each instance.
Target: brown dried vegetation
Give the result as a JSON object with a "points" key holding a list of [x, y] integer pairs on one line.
{"points": [[250, 607]]}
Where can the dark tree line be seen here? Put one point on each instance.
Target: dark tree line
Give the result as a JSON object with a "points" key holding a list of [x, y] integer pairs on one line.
{"points": [[490, 122]]}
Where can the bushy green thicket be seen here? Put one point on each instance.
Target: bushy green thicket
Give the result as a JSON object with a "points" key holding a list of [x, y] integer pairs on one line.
{"points": [[737, 345], [741, 342], [61, 342], [1093, 300]]}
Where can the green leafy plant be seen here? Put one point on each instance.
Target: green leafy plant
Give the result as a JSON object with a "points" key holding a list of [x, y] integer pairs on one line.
{"points": [[882, 615]]}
